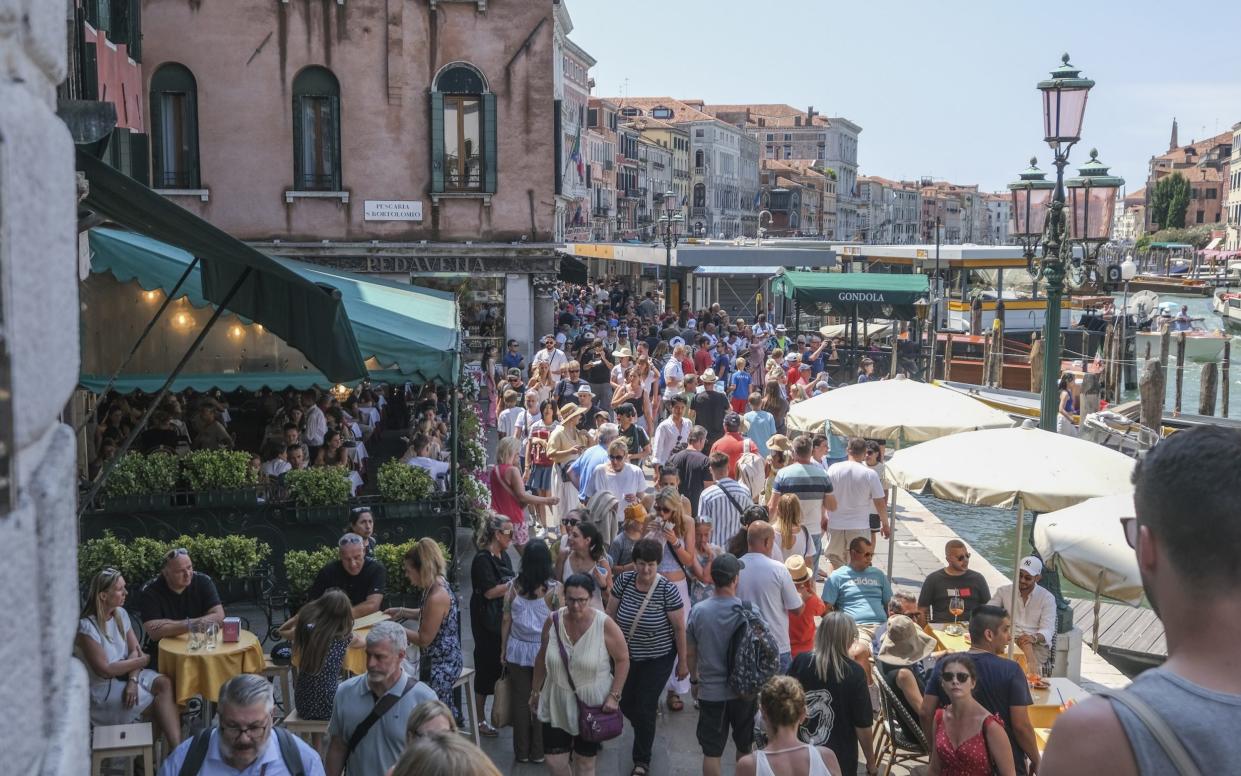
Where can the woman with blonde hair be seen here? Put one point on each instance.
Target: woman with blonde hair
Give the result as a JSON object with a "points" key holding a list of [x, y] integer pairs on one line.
{"points": [[650, 384], [443, 754], [541, 382], [792, 538], [122, 688], [437, 632], [783, 702], [673, 526], [509, 496], [837, 693], [429, 718]]}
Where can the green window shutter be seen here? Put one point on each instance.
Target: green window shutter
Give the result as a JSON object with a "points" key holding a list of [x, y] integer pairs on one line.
{"points": [[333, 143], [297, 145], [489, 143], [191, 141], [155, 127], [437, 142]]}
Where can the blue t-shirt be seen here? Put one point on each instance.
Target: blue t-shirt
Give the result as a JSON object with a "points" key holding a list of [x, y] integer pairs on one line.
{"points": [[762, 427], [723, 365], [863, 595], [816, 365], [585, 466], [740, 382], [512, 360]]}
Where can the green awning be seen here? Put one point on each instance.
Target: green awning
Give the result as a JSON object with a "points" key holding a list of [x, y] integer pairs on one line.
{"points": [[866, 294], [307, 316], [402, 332]]}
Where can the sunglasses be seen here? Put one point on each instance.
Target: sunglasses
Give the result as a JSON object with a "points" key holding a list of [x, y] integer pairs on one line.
{"points": [[506, 532], [1130, 526], [345, 541], [175, 553], [616, 457], [570, 521], [959, 677], [966, 556]]}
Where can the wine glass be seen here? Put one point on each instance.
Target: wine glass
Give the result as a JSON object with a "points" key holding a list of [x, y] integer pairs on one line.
{"points": [[957, 606]]}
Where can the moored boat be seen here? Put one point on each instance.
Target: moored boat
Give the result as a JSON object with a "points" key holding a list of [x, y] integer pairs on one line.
{"points": [[1227, 305]]}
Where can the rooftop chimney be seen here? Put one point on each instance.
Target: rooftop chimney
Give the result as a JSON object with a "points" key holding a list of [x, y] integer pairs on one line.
{"points": [[810, 114], [797, 121]]}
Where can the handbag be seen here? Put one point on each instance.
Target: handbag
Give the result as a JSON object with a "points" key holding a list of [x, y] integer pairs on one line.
{"points": [[501, 712], [594, 723]]}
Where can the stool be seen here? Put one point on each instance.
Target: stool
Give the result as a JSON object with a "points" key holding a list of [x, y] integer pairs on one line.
{"points": [[283, 675], [305, 729], [128, 741], [466, 680]]}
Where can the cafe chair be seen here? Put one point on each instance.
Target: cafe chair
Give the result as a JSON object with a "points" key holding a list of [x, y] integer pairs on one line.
{"points": [[124, 742], [902, 737], [312, 731], [466, 681], [282, 674]]}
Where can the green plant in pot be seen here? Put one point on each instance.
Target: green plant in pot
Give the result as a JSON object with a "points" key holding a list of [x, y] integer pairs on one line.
{"points": [[207, 470], [301, 567], [392, 556], [319, 487], [400, 482]]}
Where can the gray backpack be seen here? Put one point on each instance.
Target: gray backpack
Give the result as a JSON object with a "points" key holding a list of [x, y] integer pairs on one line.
{"points": [[753, 654]]}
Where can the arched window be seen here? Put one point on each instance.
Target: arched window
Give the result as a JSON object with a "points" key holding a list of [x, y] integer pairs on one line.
{"points": [[174, 128], [316, 131], [463, 131], [698, 158], [700, 194]]}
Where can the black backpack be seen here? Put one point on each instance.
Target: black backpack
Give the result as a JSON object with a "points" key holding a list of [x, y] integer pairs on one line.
{"points": [[197, 753], [753, 654]]}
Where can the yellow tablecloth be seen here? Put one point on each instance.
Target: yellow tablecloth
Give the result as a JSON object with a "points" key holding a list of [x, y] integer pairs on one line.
{"points": [[202, 672], [355, 657], [962, 644]]}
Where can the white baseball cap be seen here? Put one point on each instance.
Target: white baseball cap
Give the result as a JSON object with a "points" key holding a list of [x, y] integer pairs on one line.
{"points": [[1031, 565]]}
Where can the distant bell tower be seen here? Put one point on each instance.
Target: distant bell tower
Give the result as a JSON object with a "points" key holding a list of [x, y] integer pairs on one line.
{"points": [[1172, 144]]}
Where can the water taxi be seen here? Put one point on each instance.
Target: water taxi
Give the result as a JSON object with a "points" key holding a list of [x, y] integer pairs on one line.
{"points": [[1227, 305]]}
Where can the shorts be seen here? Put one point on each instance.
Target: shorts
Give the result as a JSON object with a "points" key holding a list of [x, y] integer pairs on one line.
{"points": [[557, 741], [716, 717], [740, 406], [838, 544]]}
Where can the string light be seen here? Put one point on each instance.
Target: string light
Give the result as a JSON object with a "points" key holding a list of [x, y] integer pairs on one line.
{"points": [[235, 331], [181, 320], [150, 296]]}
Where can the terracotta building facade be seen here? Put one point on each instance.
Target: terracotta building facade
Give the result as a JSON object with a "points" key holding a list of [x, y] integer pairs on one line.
{"points": [[414, 140]]}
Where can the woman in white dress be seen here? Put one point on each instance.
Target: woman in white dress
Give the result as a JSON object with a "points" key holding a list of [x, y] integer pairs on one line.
{"points": [[122, 688]]}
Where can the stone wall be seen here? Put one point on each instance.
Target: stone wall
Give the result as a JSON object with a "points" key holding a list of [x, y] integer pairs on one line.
{"points": [[43, 700]]}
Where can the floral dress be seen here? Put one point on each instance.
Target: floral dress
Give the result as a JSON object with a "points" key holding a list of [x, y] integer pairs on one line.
{"points": [[442, 658], [313, 694]]}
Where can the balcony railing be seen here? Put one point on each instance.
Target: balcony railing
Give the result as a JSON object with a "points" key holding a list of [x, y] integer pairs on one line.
{"points": [[700, 170], [602, 212], [699, 212]]}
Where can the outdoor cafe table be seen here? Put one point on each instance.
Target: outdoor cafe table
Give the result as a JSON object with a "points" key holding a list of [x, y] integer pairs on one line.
{"points": [[961, 643], [1049, 703], [201, 672], [355, 657]]}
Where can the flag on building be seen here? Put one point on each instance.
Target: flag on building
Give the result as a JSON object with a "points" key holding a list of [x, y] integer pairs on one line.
{"points": [[758, 198], [576, 154]]}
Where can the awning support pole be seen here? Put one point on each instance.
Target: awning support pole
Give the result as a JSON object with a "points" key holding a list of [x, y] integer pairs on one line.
{"points": [[142, 337], [97, 485], [1012, 603], [900, 439]]}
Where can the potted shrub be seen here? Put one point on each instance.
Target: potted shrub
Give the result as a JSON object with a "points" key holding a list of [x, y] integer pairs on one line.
{"points": [[403, 488], [141, 482], [231, 561], [220, 477], [300, 569], [320, 493], [392, 556]]}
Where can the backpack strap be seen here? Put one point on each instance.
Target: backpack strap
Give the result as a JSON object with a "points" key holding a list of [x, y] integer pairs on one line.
{"points": [[1158, 728], [196, 754], [289, 752]]}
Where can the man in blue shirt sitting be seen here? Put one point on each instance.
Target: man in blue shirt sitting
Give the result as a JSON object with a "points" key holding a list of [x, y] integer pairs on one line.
{"points": [[861, 591]]}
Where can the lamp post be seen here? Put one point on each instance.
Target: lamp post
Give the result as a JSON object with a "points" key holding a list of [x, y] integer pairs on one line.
{"points": [[669, 233], [1091, 202]]}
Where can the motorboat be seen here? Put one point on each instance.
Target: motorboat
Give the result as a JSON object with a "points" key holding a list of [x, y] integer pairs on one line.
{"points": [[1227, 305], [1201, 344], [1118, 432]]}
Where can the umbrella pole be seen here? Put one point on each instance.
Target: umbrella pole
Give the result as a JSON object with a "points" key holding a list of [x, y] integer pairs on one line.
{"points": [[900, 437], [1012, 604], [1095, 625]]}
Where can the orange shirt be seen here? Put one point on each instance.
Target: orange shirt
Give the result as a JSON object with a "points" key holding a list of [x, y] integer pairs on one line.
{"points": [[802, 626]]}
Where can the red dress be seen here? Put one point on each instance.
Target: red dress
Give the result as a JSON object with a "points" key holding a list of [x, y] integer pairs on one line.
{"points": [[968, 759]]}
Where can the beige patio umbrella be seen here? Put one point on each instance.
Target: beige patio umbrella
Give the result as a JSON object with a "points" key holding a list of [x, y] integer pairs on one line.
{"points": [[903, 410], [1086, 544], [1024, 467]]}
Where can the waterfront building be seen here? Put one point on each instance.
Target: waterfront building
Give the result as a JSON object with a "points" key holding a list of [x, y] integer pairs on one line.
{"points": [[571, 93], [601, 170], [999, 214], [1205, 164], [1233, 206], [890, 211]]}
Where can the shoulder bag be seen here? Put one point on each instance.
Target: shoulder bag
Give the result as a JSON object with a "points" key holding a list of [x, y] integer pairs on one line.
{"points": [[594, 723], [1159, 729], [381, 707]]}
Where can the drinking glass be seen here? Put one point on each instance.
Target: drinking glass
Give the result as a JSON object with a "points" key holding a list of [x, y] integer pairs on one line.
{"points": [[196, 636], [957, 606], [212, 638]]}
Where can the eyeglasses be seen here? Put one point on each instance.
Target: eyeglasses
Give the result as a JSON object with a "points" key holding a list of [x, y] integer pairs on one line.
{"points": [[960, 677], [1130, 526], [576, 600], [252, 731], [966, 556], [175, 553]]}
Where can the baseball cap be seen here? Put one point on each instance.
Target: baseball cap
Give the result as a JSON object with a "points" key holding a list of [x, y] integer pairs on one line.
{"points": [[725, 568], [1031, 565], [584, 390]]}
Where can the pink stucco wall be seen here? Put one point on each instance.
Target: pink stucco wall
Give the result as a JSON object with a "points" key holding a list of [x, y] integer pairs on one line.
{"points": [[245, 54]]}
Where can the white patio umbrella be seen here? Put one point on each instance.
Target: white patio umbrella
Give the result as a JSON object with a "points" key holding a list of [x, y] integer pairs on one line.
{"points": [[899, 409], [1024, 467], [1086, 544]]}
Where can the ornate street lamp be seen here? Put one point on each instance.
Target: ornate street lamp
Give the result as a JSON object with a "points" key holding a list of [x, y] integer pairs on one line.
{"points": [[1086, 223], [669, 233]]}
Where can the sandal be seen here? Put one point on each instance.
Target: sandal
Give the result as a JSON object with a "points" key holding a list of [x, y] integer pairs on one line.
{"points": [[487, 730], [639, 770], [674, 702]]}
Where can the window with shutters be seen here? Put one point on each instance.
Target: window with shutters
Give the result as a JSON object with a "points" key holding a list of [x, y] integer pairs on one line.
{"points": [[463, 132], [174, 128], [316, 131]]}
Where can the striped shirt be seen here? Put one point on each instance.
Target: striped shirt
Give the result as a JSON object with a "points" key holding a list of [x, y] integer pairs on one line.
{"points": [[715, 504], [810, 483], [653, 638]]}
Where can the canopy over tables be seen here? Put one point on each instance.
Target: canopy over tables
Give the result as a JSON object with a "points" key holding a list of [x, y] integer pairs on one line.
{"points": [[862, 294], [1086, 544], [401, 332], [899, 409]]}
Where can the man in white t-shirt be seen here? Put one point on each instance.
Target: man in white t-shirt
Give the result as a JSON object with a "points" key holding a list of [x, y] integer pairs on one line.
{"points": [[674, 374], [768, 587], [620, 478], [859, 494], [553, 356]]}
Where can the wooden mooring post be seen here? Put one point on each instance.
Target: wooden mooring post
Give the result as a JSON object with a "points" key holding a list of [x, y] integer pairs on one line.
{"points": [[1036, 365], [948, 358], [1180, 371], [1224, 385], [1152, 389], [1206, 389]]}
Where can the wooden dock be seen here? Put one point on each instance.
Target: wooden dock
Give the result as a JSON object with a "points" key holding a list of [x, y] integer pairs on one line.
{"points": [[1129, 631]]}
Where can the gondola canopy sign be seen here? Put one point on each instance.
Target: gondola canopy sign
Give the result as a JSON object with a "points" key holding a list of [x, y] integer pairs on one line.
{"points": [[866, 294]]}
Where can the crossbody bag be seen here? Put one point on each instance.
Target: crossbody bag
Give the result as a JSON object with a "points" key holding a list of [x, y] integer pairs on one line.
{"points": [[594, 723], [381, 707], [1159, 729]]}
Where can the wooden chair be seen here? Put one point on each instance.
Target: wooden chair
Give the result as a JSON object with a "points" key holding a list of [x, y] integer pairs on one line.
{"points": [[125, 741], [902, 737], [312, 731], [466, 680], [283, 675]]}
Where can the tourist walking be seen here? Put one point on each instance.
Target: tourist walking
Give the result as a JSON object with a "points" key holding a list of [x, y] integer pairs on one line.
{"points": [[588, 555], [692, 467], [859, 494], [768, 586], [576, 646], [651, 613], [723, 503], [529, 601], [509, 496], [490, 574], [673, 527], [839, 714], [813, 488], [784, 707], [969, 739], [861, 591]]}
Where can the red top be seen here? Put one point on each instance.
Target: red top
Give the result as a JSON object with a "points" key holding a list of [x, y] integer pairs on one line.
{"points": [[539, 451], [502, 499], [968, 759], [733, 445], [702, 360], [801, 626]]}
